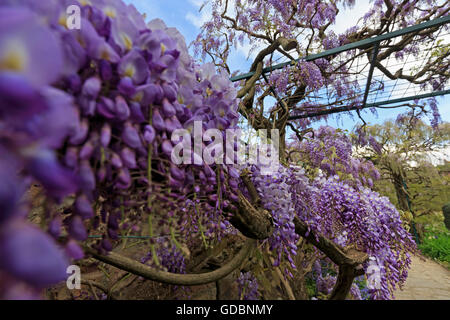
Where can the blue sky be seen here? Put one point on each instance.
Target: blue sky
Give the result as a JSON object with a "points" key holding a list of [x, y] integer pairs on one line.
{"points": [[185, 16]]}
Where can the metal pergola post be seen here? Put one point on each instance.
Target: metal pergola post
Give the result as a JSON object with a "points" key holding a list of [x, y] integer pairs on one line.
{"points": [[373, 59]]}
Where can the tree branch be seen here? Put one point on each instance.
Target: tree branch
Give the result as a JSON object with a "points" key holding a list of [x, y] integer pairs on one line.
{"points": [[349, 260], [149, 273]]}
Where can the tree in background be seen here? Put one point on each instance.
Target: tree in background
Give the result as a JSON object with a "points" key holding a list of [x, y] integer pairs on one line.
{"points": [[403, 151]]}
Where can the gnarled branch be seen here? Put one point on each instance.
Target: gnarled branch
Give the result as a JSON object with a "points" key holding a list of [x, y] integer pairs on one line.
{"points": [[149, 273], [349, 260]]}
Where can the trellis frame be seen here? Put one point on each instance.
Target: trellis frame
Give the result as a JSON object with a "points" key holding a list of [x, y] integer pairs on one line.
{"points": [[362, 44]]}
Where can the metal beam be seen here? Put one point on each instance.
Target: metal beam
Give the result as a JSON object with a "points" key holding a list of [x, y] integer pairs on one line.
{"points": [[370, 105], [355, 45], [420, 96]]}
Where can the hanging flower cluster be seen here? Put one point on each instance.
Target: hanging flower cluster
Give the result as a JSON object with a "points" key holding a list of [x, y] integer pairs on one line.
{"points": [[247, 286], [343, 210], [90, 113]]}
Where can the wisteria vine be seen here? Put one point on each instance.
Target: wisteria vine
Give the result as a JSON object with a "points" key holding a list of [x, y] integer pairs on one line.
{"points": [[88, 115]]}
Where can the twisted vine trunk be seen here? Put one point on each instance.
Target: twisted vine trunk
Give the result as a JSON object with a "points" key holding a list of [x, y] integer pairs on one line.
{"points": [[255, 223], [400, 190]]}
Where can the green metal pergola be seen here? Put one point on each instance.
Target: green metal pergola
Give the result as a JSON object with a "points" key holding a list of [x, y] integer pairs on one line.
{"points": [[373, 44]]}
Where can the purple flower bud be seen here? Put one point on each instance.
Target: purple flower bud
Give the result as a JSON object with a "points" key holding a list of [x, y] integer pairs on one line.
{"points": [[136, 114], [57, 180], [168, 108], [113, 222], [106, 244], [103, 215], [167, 147], [77, 229], [73, 250], [116, 161], [172, 124], [31, 255], [234, 197], [80, 134], [106, 108], [83, 207], [151, 94], [126, 87], [87, 177], [71, 157], [169, 92], [131, 137], [177, 173], [158, 121], [233, 172], [149, 134], [105, 70], [233, 184], [124, 179], [74, 83], [113, 234], [91, 87], [174, 183], [105, 135], [129, 158], [54, 227], [87, 150], [122, 110]]}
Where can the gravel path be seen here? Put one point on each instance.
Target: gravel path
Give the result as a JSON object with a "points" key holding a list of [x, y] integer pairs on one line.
{"points": [[427, 280]]}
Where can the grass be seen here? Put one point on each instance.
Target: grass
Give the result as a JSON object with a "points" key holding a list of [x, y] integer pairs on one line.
{"points": [[437, 247], [436, 242]]}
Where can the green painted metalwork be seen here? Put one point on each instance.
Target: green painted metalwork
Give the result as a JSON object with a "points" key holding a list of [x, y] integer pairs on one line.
{"points": [[363, 44], [372, 67], [366, 43], [370, 105], [420, 96]]}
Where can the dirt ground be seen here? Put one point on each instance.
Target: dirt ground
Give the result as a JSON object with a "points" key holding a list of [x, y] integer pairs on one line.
{"points": [[427, 280]]}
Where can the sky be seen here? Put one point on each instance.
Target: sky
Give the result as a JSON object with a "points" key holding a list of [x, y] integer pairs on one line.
{"points": [[185, 16]]}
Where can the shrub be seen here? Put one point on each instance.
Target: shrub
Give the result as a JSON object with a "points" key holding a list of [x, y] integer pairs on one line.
{"points": [[437, 246]]}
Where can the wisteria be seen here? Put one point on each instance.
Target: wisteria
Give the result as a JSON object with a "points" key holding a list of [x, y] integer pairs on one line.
{"points": [[248, 286], [167, 257], [331, 151], [88, 115], [335, 81], [343, 209]]}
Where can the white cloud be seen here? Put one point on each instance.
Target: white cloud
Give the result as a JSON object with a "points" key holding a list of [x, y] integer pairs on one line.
{"points": [[196, 20], [348, 17], [197, 3], [199, 18]]}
